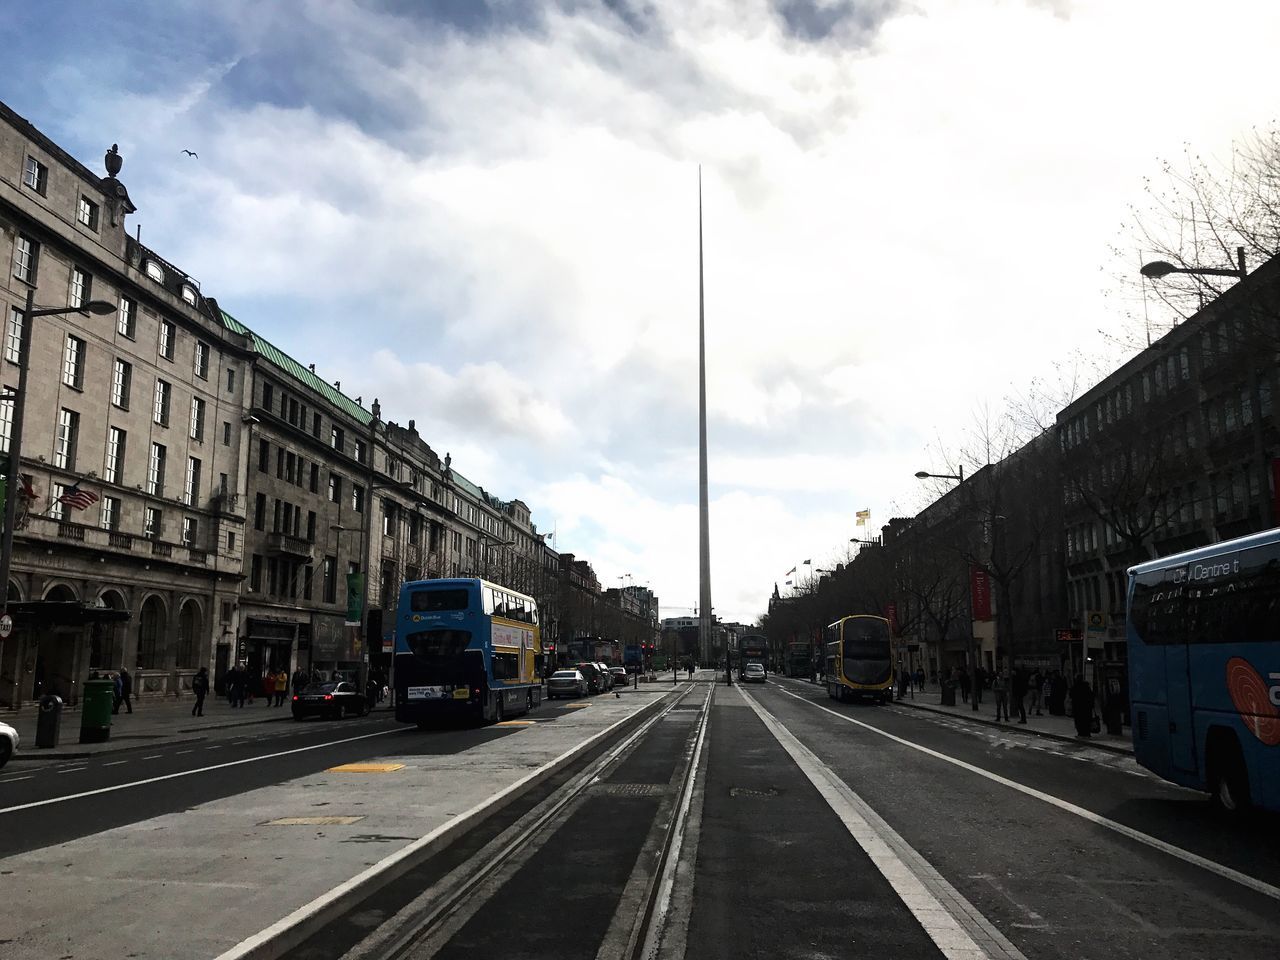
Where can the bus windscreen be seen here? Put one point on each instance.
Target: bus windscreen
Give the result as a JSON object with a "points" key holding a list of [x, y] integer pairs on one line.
{"points": [[438, 601]]}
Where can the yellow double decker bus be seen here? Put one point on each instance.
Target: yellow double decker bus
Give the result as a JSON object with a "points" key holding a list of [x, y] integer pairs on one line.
{"points": [[859, 661]]}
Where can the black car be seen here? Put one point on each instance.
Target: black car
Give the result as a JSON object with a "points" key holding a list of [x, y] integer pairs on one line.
{"points": [[620, 677], [597, 680], [332, 700]]}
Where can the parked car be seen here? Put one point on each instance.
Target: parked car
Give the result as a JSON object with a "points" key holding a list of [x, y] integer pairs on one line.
{"points": [[330, 700], [608, 677], [566, 683], [620, 677], [754, 673], [597, 681], [8, 743]]}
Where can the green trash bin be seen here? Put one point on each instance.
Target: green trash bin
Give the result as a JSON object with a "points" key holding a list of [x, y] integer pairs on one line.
{"points": [[95, 710]]}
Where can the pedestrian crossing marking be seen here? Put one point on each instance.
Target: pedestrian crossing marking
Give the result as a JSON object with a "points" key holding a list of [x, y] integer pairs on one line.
{"points": [[312, 821], [367, 768]]}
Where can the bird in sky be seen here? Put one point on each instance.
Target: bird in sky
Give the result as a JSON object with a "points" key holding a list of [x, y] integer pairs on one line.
{"points": [[191, 153]]}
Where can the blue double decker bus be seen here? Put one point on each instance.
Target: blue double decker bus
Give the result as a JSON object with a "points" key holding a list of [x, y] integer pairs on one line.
{"points": [[1203, 637], [465, 648]]}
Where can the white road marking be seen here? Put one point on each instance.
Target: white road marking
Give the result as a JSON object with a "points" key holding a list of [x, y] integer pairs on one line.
{"points": [[950, 920], [178, 753], [154, 756], [188, 773], [1227, 873], [16, 779], [115, 763], [72, 769]]}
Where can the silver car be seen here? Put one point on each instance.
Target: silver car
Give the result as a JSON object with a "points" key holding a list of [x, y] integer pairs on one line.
{"points": [[8, 743], [566, 683]]}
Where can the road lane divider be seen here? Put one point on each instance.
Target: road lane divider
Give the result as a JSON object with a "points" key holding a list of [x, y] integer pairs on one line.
{"points": [[955, 926], [190, 773], [1221, 870]]}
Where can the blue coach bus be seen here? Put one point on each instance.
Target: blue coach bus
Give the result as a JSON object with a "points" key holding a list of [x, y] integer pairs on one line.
{"points": [[1203, 632], [466, 648]]}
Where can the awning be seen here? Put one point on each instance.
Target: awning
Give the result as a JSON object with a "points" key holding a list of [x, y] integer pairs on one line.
{"points": [[63, 613]]}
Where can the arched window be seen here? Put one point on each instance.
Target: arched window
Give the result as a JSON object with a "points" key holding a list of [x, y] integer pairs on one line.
{"points": [[188, 634], [153, 271], [150, 632]]}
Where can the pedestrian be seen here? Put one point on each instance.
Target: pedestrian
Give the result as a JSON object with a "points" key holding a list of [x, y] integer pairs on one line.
{"points": [[126, 689], [964, 685], [1034, 684], [235, 685], [920, 679], [979, 680], [1000, 687], [1082, 706], [1058, 695], [282, 687], [300, 679], [115, 690], [200, 687], [1019, 690]]}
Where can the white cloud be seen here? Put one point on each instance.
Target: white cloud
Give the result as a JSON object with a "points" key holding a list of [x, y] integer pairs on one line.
{"points": [[899, 225]]}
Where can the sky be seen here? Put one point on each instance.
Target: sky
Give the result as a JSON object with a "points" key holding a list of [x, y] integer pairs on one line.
{"points": [[486, 215]]}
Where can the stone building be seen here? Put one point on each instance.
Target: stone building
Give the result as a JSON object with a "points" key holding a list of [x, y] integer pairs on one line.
{"points": [[131, 438]]}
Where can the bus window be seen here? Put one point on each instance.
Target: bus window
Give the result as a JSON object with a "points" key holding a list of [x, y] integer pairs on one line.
{"points": [[506, 666], [488, 600], [435, 601], [1158, 610], [438, 643]]}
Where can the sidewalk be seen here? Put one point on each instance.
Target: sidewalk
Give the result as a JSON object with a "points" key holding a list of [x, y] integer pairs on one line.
{"points": [[1056, 728], [151, 723]]}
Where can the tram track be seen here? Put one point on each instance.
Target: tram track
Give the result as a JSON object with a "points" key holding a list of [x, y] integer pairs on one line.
{"points": [[477, 892]]}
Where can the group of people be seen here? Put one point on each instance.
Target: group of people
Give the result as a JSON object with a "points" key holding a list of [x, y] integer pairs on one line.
{"points": [[242, 686], [1021, 690]]}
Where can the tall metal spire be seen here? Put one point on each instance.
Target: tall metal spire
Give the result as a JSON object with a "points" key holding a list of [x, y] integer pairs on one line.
{"points": [[705, 620]]}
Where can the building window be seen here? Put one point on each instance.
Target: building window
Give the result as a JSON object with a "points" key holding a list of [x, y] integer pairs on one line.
{"points": [[268, 395], [168, 334], [307, 574], [163, 391], [153, 525], [73, 362], [197, 419], [231, 541], [260, 512], [126, 317], [357, 498], [110, 513], [335, 438], [315, 424], [6, 423], [335, 488], [329, 574], [359, 451], [58, 509], [1264, 397], [116, 439], [311, 526], [26, 259], [155, 470], [202, 360], [226, 433], [190, 529], [35, 175], [121, 380], [191, 493], [255, 573], [264, 456], [81, 287], [13, 336], [315, 478], [388, 518], [189, 293], [64, 448], [231, 380], [153, 271], [87, 213]]}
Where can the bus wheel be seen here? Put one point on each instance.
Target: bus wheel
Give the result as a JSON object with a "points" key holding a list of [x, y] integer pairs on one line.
{"points": [[1228, 778]]}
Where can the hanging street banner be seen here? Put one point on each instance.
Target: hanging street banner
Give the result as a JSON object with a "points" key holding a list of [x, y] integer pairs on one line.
{"points": [[980, 592], [355, 589]]}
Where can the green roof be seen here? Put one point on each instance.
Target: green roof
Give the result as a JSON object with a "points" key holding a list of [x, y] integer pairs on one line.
{"points": [[466, 485], [265, 348]]}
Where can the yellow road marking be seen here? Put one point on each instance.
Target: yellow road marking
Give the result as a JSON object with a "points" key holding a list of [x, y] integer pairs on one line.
{"points": [[367, 768], [515, 723], [312, 821], [577, 704]]}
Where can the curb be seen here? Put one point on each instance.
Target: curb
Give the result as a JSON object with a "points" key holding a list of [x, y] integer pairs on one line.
{"points": [[1062, 738], [292, 930], [85, 755]]}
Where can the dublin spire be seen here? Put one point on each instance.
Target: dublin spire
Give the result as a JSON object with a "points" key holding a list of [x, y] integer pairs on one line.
{"points": [[705, 620]]}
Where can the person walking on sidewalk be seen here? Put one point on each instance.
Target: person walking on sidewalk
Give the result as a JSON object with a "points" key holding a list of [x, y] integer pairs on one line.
{"points": [[964, 684], [1000, 687], [235, 685], [1082, 706], [1020, 693], [282, 686], [200, 687], [300, 680], [126, 690], [115, 692]]}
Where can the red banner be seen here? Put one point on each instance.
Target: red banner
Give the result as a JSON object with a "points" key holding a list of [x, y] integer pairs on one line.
{"points": [[891, 614], [980, 593]]}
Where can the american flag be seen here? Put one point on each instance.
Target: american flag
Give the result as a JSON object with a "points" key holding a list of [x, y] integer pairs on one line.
{"points": [[78, 499]]}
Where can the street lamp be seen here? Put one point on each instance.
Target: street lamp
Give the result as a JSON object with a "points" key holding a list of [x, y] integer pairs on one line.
{"points": [[1162, 268], [875, 542], [925, 475], [487, 541], [100, 308]]}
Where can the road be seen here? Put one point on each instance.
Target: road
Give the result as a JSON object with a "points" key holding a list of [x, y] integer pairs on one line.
{"points": [[766, 821]]}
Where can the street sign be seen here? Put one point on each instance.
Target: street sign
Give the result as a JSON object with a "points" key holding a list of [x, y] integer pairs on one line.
{"points": [[6, 626], [1069, 636]]}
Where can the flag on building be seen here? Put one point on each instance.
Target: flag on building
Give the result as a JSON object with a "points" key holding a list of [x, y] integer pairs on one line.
{"points": [[28, 488], [791, 571], [863, 516], [78, 499]]}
